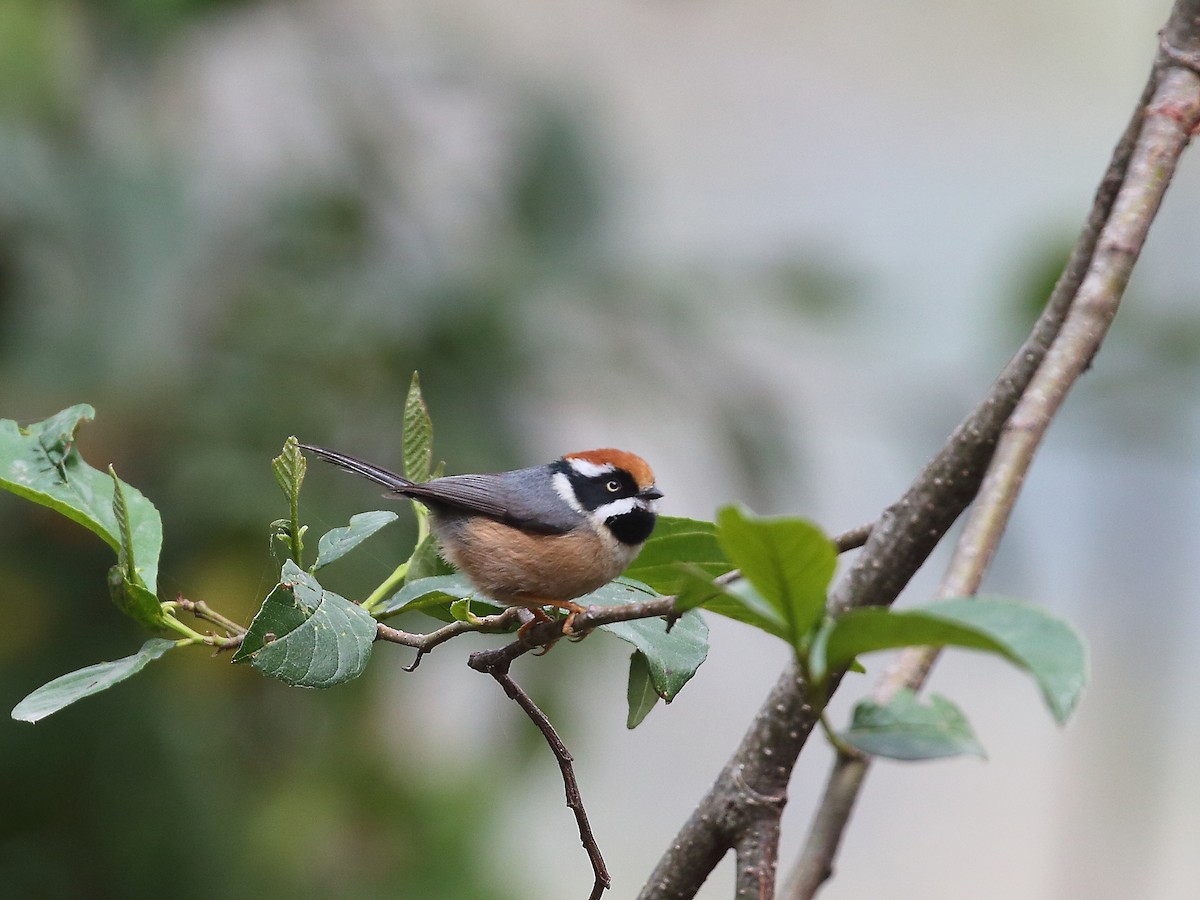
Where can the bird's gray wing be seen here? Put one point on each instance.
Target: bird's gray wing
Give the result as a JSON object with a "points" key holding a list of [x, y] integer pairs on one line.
{"points": [[470, 493], [524, 498]]}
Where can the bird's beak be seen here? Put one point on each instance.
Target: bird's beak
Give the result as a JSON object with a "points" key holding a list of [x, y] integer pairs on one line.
{"points": [[650, 493]]}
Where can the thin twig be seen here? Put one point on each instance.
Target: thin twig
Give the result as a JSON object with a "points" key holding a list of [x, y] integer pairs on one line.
{"points": [[423, 643], [816, 861], [1165, 118], [543, 634], [496, 664], [202, 610], [854, 538]]}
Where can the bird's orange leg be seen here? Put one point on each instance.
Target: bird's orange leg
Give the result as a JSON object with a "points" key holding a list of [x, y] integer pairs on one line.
{"points": [[534, 604], [539, 616], [573, 609]]}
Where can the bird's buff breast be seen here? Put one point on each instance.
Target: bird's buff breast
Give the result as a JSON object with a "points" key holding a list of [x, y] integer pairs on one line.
{"points": [[513, 566]]}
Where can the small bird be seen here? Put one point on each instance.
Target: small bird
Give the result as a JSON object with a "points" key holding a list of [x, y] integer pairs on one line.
{"points": [[535, 537]]}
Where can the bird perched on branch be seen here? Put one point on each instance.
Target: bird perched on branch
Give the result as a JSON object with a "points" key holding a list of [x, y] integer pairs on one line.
{"points": [[534, 537]]}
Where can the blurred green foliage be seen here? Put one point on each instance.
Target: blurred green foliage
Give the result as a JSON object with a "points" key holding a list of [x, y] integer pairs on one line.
{"points": [[207, 322], [205, 332]]}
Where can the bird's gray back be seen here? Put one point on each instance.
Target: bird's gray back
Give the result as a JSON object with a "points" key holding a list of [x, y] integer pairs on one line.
{"points": [[525, 498]]}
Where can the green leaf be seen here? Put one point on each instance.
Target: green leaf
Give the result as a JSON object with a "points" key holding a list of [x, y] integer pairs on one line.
{"points": [[125, 557], [289, 468], [672, 656], [337, 542], [675, 542], [640, 692], [66, 689], [738, 601], [134, 600], [695, 588], [907, 729], [307, 636], [426, 562], [1028, 636], [418, 434], [426, 594], [124, 583], [41, 463], [789, 562]]}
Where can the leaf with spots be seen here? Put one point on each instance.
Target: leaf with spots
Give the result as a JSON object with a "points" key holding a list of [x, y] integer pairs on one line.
{"points": [[307, 636]]}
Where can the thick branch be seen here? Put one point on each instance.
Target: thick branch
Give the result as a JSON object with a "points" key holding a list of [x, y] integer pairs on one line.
{"points": [[756, 858], [904, 537], [1165, 119]]}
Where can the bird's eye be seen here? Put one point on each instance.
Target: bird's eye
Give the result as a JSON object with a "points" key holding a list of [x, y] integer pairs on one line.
{"points": [[613, 486]]}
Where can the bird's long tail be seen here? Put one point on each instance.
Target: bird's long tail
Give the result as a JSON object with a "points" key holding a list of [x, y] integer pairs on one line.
{"points": [[361, 467]]}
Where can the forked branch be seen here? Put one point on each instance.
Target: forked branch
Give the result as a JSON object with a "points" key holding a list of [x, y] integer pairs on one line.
{"points": [[1159, 132], [910, 529], [496, 663]]}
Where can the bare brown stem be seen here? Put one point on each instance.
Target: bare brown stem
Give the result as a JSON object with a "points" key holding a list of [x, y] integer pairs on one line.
{"points": [[423, 643], [202, 610], [496, 665], [757, 855]]}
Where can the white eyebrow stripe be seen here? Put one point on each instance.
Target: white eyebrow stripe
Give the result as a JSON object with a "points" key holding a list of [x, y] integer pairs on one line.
{"points": [[589, 469], [562, 487], [617, 508]]}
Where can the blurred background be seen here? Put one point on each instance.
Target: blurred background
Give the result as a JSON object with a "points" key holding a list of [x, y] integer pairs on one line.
{"points": [[778, 248]]}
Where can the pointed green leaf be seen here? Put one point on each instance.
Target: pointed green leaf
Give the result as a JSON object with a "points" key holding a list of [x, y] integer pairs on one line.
{"points": [[738, 601], [337, 542], [418, 434], [124, 583], [134, 600], [695, 588], [789, 562], [307, 636], [289, 468], [640, 691], [1028, 636], [41, 463], [672, 656], [425, 594], [675, 542], [66, 689], [125, 557], [907, 729]]}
